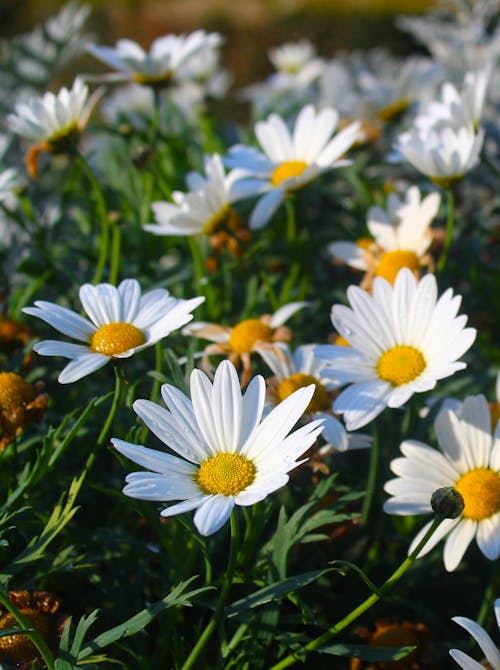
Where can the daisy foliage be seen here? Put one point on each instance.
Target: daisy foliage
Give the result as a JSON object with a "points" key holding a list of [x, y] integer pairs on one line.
{"points": [[229, 454], [280, 388]]}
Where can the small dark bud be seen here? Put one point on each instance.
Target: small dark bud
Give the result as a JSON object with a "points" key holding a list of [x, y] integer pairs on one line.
{"points": [[447, 502]]}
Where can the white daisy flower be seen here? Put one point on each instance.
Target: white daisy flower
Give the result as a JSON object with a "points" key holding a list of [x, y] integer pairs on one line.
{"points": [[9, 181], [470, 463], [206, 208], [229, 455], [122, 321], [239, 341], [441, 151], [403, 339], [290, 160], [53, 123], [300, 369], [488, 647], [459, 108], [166, 58], [401, 237], [53, 118]]}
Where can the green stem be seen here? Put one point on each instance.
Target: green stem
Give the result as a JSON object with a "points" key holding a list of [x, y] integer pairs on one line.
{"points": [[291, 222], [372, 479], [116, 237], [105, 429], [365, 605], [28, 630], [219, 610], [102, 212], [450, 223]]}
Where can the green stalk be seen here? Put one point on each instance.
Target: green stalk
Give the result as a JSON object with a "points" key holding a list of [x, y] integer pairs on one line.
{"points": [[102, 212], [365, 605], [116, 237], [372, 479], [219, 610], [28, 630], [450, 224], [291, 221]]}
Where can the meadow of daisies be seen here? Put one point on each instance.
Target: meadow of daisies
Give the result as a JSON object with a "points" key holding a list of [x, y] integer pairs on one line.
{"points": [[249, 389]]}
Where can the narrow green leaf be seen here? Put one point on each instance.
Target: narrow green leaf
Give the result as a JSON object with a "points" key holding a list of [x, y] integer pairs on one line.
{"points": [[274, 592], [366, 652]]}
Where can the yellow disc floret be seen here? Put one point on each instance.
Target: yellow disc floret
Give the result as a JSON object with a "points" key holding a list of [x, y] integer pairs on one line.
{"points": [[247, 333], [393, 261], [400, 365], [116, 338], [480, 489], [226, 474], [14, 391], [286, 170], [320, 400]]}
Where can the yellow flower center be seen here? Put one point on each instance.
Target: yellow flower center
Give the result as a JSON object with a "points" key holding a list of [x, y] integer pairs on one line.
{"points": [[480, 489], [364, 243], [286, 170], [227, 474], [341, 341], [400, 365], [392, 262], [394, 109], [115, 338], [217, 221], [320, 400], [14, 391], [153, 80], [247, 333]]}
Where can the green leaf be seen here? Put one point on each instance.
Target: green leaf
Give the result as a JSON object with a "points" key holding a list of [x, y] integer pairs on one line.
{"points": [[366, 652], [274, 592], [143, 618]]}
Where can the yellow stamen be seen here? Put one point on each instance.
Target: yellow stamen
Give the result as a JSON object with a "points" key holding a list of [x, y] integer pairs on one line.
{"points": [[393, 261], [247, 333], [227, 474], [341, 341], [320, 400], [14, 391], [217, 221], [400, 365], [480, 489], [364, 243], [393, 110], [286, 170], [116, 338], [153, 80]]}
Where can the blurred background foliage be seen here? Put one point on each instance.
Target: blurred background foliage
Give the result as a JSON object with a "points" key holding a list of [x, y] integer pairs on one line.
{"points": [[250, 27]]}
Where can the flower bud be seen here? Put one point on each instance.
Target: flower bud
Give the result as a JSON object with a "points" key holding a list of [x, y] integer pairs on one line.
{"points": [[447, 502]]}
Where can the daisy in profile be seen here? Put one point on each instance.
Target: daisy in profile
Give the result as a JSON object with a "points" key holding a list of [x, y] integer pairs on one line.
{"points": [[403, 340], [205, 209], [168, 56], [401, 238], [239, 341], [228, 454], [488, 647], [469, 462], [300, 369], [122, 322], [53, 123], [290, 160]]}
